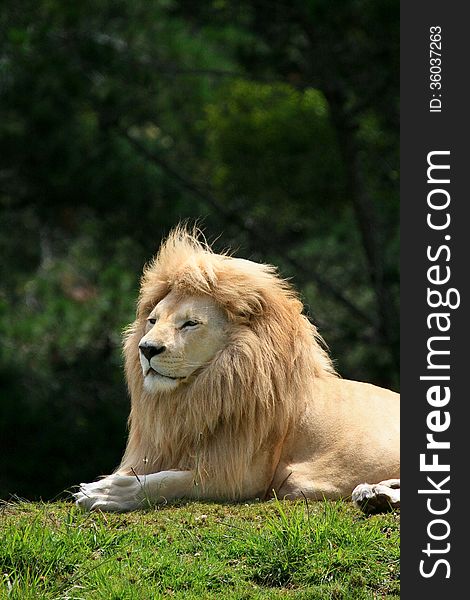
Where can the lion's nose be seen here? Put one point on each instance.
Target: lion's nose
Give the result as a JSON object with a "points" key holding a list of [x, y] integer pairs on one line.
{"points": [[150, 350]]}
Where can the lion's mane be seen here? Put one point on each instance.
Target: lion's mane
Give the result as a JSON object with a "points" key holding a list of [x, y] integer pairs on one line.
{"points": [[248, 395]]}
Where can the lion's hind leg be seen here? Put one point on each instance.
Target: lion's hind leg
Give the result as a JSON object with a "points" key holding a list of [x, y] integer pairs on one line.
{"points": [[379, 497]]}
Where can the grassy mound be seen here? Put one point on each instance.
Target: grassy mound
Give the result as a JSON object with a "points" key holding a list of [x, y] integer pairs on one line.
{"points": [[324, 550]]}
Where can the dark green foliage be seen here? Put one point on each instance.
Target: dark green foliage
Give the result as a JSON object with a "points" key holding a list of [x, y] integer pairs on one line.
{"points": [[263, 140], [276, 125]]}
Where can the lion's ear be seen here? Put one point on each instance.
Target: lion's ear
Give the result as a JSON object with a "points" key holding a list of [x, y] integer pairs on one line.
{"points": [[247, 307], [243, 291], [242, 317]]}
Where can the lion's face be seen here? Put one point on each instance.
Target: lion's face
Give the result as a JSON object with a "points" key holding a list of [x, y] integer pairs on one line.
{"points": [[181, 336]]}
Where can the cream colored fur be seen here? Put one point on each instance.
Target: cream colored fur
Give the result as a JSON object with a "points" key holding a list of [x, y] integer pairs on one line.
{"points": [[241, 400]]}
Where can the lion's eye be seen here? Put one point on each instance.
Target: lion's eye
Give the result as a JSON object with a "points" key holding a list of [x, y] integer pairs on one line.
{"points": [[189, 324], [152, 321]]}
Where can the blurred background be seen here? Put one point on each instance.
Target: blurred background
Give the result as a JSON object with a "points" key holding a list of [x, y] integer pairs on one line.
{"points": [[274, 123]]}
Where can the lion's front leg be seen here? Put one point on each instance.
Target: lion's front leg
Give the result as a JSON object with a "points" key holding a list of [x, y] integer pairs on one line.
{"points": [[122, 493], [379, 497]]}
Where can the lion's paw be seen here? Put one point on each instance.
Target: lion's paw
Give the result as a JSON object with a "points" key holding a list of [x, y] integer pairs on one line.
{"points": [[115, 493], [380, 497]]}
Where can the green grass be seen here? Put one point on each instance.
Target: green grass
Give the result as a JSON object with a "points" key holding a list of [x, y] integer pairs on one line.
{"points": [[271, 550]]}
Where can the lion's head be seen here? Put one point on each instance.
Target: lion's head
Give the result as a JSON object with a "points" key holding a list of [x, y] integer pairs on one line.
{"points": [[182, 335], [217, 361]]}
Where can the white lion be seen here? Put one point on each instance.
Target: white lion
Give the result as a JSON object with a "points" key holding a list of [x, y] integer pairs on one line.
{"points": [[233, 396]]}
